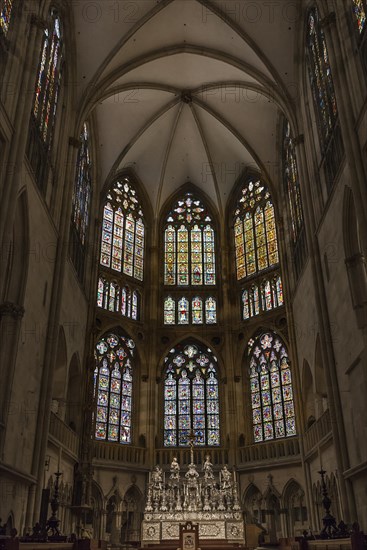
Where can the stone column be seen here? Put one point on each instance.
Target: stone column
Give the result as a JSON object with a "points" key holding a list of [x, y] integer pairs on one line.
{"points": [[327, 351], [348, 121], [15, 161], [10, 323], [44, 406]]}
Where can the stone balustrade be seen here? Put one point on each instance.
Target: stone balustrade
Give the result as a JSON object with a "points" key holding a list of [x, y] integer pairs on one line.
{"points": [[104, 451], [318, 431], [283, 450], [62, 434]]}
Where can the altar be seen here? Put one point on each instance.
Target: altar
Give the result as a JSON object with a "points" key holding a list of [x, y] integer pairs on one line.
{"points": [[203, 498]]}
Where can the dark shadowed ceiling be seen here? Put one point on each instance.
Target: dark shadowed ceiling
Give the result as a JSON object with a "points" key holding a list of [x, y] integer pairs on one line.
{"points": [[186, 90]]}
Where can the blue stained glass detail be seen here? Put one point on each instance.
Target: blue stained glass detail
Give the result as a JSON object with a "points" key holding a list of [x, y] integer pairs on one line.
{"points": [[271, 390], [113, 382], [191, 384]]}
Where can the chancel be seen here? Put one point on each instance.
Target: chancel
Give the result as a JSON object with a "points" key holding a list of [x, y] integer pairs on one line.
{"points": [[183, 293]]}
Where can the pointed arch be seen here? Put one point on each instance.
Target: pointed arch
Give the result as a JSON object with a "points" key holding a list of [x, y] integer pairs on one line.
{"points": [[74, 394], [189, 242], [113, 388], [324, 99], [46, 98], [252, 502], [191, 395], [320, 380], [294, 502], [271, 391], [123, 230], [354, 258], [309, 410], [81, 202], [60, 375], [17, 259]]}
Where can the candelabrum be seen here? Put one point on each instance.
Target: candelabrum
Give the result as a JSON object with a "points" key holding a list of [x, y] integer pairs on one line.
{"points": [[329, 529], [52, 525]]}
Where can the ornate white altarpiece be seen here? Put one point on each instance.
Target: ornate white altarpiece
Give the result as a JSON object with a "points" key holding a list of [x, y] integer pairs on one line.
{"points": [[205, 499]]}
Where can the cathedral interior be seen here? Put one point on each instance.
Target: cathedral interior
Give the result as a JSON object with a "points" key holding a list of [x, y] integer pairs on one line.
{"points": [[183, 224]]}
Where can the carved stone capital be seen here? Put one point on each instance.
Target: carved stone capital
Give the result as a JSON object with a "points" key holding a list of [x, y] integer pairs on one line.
{"points": [[9, 309], [38, 22], [299, 139], [74, 142], [356, 259], [329, 20]]}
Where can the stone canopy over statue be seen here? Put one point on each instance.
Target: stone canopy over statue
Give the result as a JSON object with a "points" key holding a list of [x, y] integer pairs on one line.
{"points": [[205, 498]]}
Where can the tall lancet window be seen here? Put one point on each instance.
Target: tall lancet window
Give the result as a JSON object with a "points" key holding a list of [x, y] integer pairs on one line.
{"points": [[189, 263], [292, 187], [122, 249], [273, 414], [191, 397], [48, 79], [113, 385], [45, 104], [323, 93], [256, 250], [81, 203], [360, 9], [189, 244], [5, 15]]}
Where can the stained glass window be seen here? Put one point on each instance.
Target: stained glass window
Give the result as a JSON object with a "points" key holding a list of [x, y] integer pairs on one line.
{"points": [[191, 397], [360, 10], [48, 79], [261, 298], [271, 390], [113, 380], [196, 310], [210, 310], [81, 204], [169, 311], [123, 231], [189, 244], [82, 187], [320, 77], [183, 311], [292, 183], [5, 14], [116, 299], [255, 233]]}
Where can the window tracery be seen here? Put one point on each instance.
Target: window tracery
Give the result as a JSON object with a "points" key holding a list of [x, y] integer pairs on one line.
{"points": [[185, 310], [113, 383], [272, 404], [191, 397], [5, 15]]}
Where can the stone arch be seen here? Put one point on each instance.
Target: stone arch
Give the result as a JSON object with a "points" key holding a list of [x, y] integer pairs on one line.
{"points": [[132, 513], [14, 279], [309, 412], [74, 394], [320, 381], [60, 376], [296, 512], [97, 507], [17, 255], [252, 502], [354, 259]]}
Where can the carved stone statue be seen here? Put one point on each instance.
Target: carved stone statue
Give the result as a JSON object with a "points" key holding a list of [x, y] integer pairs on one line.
{"points": [[208, 469], [226, 478], [175, 469], [157, 478]]}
